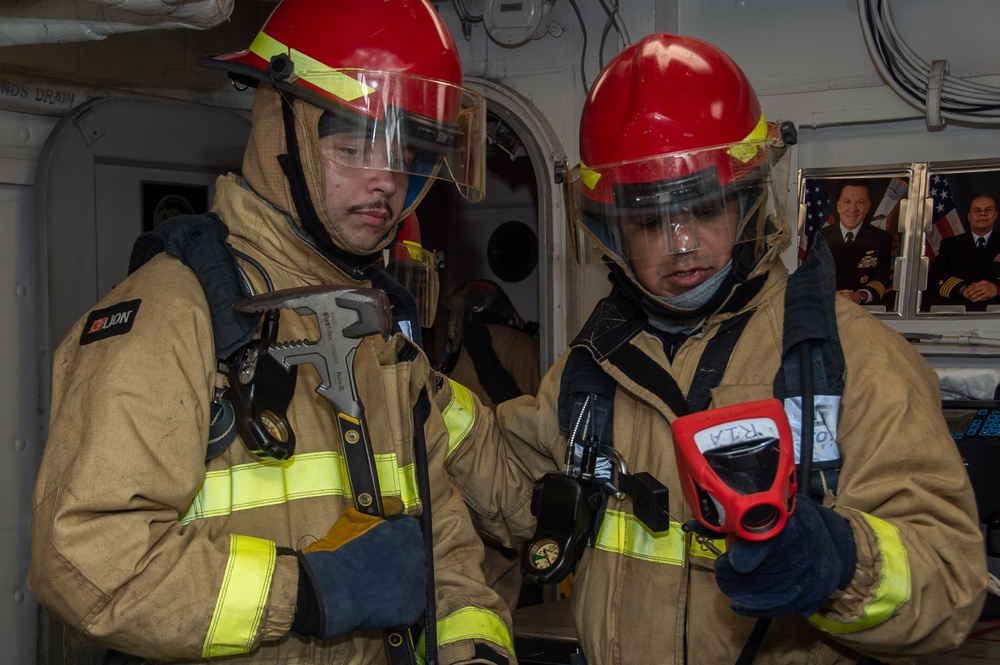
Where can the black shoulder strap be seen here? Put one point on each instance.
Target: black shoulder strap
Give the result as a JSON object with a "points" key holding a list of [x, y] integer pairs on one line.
{"points": [[199, 241], [492, 375], [810, 316], [582, 376], [616, 320], [813, 392]]}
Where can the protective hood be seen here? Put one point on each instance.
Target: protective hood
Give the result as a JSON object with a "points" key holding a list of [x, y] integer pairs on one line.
{"points": [[751, 262], [264, 172]]}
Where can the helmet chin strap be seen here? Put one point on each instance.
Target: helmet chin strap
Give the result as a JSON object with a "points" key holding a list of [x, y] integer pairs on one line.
{"points": [[291, 164]]}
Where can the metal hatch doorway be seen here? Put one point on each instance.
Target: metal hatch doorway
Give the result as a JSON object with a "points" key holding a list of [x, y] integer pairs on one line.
{"points": [[517, 236]]}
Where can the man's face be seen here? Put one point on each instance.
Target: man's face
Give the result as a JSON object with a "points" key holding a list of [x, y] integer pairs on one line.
{"points": [[853, 205], [363, 204], [664, 274], [982, 214]]}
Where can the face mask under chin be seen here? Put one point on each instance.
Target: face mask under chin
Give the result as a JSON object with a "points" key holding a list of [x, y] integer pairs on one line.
{"points": [[700, 294]]}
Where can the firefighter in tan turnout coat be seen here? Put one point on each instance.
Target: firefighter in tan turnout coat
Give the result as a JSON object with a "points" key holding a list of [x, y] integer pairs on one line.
{"points": [[141, 545], [680, 189]]}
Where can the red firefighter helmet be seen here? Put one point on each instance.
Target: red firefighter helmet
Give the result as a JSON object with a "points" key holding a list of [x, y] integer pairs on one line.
{"points": [[667, 97], [671, 130], [394, 62]]}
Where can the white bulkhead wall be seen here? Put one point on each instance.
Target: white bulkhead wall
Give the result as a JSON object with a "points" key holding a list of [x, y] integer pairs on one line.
{"points": [[806, 58]]}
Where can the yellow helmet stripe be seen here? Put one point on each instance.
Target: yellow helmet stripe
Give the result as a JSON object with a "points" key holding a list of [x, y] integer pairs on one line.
{"points": [[335, 82], [588, 176], [752, 144]]}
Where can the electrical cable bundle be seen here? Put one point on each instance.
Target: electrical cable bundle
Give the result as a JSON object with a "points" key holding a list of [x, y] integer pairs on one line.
{"points": [[927, 87]]}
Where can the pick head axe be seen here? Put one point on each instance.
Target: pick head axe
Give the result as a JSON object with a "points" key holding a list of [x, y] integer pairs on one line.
{"points": [[345, 317]]}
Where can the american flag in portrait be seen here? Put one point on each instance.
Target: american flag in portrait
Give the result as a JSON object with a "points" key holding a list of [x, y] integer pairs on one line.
{"points": [[819, 213], [946, 222]]}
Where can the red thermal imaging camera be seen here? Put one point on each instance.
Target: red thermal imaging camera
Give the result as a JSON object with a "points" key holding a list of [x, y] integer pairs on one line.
{"points": [[737, 468]]}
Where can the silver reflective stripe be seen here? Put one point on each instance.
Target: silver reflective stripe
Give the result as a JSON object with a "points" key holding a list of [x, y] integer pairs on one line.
{"points": [[827, 413]]}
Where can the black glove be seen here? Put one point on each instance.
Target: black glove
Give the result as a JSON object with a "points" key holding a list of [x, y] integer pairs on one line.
{"points": [[366, 573], [796, 571]]}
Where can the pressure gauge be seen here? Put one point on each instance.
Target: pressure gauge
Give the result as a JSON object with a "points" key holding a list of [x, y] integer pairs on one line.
{"points": [[544, 553]]}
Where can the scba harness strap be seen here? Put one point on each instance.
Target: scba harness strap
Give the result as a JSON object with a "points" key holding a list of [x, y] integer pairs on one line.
{"points": [[199, 241], [810, 331], [810, 321], [811, 391]]}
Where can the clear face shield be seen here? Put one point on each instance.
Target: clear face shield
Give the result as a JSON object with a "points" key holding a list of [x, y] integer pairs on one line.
{"points": [[417, 270], [655, 210], [673, 217], [422, 128]]}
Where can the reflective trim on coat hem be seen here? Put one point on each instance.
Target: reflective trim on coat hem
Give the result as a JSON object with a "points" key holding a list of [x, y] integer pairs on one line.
{"points": [[469, 623]]}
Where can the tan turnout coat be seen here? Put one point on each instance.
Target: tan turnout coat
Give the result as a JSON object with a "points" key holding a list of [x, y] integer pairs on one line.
{"points": [[641, 599], [127, 550]]}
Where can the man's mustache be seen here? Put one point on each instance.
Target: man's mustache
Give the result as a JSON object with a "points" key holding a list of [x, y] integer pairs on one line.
{"points": [[380, 206]]}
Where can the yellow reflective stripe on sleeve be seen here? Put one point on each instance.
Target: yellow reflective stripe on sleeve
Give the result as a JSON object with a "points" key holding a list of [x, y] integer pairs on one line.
{"points": [[272, 482], [322, 76], [893, 589], [623, 533], [469, 623], [242, 598], [459, 416]]}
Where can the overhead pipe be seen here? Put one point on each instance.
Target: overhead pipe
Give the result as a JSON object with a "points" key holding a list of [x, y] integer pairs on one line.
{"points": [[66, 21]]}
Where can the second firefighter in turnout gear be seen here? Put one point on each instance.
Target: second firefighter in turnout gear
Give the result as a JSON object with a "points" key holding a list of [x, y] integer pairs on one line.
{"points": [[142, 545], [680, 188]]}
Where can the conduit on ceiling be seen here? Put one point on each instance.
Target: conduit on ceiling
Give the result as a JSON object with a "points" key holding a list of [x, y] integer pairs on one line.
{"points": [[62, 21], [926, 86]]}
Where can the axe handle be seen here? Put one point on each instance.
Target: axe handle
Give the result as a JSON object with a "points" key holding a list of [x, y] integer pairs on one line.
{"points": [[360, 460]]}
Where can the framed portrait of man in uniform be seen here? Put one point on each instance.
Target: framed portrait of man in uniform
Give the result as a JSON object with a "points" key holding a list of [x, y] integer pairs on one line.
{"points": [[861, 214], [959, 258]]}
